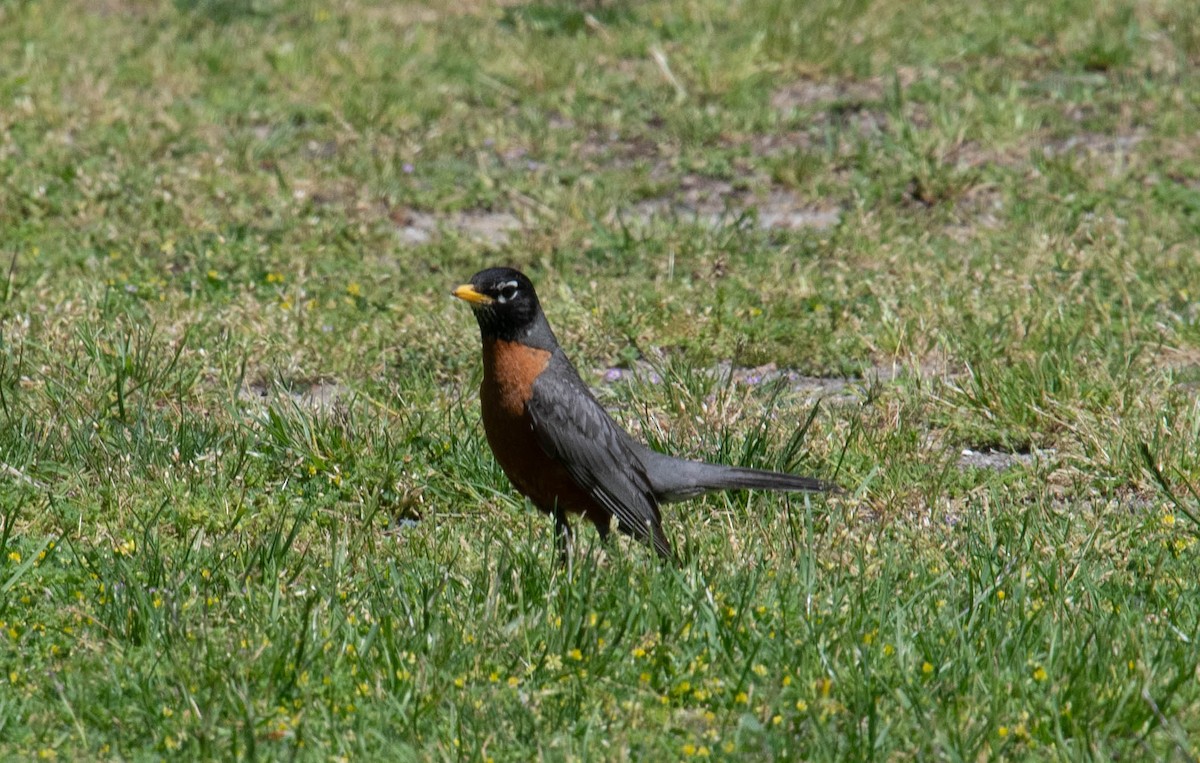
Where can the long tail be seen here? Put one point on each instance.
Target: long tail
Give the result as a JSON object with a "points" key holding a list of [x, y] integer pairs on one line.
{"points": [[676, 479]]}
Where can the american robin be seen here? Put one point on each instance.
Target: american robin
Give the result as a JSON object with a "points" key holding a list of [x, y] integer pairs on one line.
{"points": [[559, 446]]}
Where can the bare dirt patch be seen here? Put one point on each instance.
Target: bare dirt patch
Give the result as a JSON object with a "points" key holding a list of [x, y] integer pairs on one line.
{"points": [[809, 94], [485, 227], [613, 150], [856, 106], [703, 201], [993, 459], [714, 203], [315, 394], [1182, 365], [1094, 144], [837, 390]]}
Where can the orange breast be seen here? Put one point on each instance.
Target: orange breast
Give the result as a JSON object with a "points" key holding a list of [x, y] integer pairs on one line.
{"points": [[509, 371]]}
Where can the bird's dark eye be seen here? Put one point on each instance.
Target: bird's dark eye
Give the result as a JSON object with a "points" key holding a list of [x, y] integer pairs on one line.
{"points": [[508, 291]]}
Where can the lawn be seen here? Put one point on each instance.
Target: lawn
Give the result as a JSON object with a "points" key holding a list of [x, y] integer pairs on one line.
{"points": [[945, 254]]}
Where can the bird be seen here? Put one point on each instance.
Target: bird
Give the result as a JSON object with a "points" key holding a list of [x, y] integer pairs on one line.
{"points": [[558, 445]]}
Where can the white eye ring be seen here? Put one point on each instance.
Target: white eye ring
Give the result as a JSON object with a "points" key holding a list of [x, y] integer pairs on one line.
{"points": [[507, 291]]}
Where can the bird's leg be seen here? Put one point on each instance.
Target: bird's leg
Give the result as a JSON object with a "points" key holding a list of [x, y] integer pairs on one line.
{"points": [[562, 537], [605, 530]]}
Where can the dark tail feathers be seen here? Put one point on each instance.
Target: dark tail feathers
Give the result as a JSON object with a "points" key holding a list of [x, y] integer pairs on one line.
{"points": [[675, 479]]}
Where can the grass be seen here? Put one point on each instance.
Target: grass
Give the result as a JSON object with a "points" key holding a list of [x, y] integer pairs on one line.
{"points": [[246, 509]]}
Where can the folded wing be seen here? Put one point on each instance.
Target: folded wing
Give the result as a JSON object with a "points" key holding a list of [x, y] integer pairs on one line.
{"points": [[572, 426]]}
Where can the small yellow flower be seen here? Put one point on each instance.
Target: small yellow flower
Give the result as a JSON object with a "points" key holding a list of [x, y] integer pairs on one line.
{"points": [[1039, 674], [639, 653], [801, 706], [1168, 519], [575, 654], [1002, 731], [353, 289], [1000, 594], [742, 698], [759, 669], [644, 678], [513, 682], [14, 556], [927, 667], [889, 650], [689, 749]]}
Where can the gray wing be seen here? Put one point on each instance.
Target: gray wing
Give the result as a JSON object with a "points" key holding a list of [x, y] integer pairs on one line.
{"points": [[572, 427]]}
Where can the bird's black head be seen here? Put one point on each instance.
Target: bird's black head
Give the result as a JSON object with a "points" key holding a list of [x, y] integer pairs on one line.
{"points": [[506, 307]]}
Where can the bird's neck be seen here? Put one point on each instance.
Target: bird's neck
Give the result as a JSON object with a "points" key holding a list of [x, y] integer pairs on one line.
{"points": [[536, 334]]}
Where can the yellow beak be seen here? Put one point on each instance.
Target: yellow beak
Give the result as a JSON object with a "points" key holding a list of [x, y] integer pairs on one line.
{"points": [[467, 293]]}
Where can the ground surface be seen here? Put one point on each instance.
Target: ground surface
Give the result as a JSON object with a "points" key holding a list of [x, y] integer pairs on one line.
{"points": [[245, 505]]}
